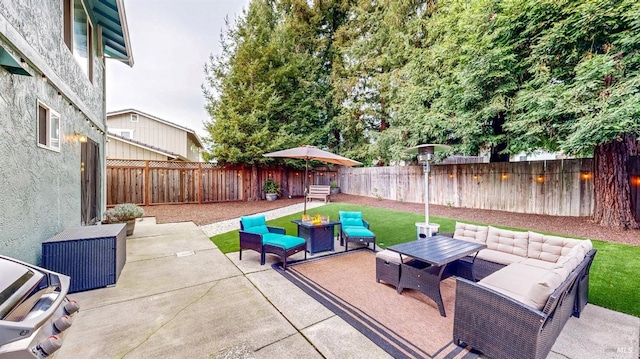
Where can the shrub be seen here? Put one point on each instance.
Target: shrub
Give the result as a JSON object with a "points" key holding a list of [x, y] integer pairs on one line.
{"points": [[122, 213], [270, 186]]}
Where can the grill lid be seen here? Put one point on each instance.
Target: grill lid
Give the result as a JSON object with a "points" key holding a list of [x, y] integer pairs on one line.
{"points": [[16, 283]]}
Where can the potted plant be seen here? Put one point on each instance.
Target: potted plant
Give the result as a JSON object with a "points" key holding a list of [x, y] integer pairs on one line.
{"points": [[124, 213], [271, 189], [334, 187]]}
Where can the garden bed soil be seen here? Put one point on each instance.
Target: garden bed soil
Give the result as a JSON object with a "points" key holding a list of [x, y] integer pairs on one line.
{"points": [[202, 214]]}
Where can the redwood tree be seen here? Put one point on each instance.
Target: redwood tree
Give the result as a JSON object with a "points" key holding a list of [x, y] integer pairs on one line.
{"points": [[611, 183], [579, 65]]}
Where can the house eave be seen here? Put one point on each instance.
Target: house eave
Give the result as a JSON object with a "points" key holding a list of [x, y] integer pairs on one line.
{"points": [[112, 17]]}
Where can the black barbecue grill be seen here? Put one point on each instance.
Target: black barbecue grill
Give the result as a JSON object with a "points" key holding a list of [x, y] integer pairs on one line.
{"points": [[34, 310]]}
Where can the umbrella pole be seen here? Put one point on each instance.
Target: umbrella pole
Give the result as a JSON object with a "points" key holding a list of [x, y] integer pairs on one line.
{"points": [[306, 169]]}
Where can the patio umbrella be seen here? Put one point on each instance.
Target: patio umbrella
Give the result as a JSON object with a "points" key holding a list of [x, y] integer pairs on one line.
{"points": [[312, 153]]}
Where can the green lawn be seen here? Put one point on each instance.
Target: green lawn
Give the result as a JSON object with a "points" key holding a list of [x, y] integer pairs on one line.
{"points": [[611, 278]]}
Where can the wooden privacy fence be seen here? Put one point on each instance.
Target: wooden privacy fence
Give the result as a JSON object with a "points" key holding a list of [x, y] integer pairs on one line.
{"points": [[553, 187], [162, 182]]}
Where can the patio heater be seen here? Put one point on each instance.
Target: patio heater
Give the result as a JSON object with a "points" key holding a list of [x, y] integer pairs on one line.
{"points": [[425, 156]]}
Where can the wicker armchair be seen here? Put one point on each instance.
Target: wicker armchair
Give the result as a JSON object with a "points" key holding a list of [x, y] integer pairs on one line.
{"points": [[257, 236], [501, 327], [353, 228]]}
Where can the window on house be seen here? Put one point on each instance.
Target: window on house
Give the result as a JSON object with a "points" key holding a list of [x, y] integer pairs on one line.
{"points": [[122, 132], [78, 34], [48, 128], [67, 23], [134, 117]]}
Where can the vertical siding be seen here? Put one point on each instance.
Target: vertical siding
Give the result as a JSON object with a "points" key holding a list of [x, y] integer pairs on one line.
{"points": [[117, 149], [154, 133]]}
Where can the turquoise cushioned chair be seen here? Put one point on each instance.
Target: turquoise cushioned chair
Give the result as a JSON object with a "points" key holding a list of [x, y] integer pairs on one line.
{"points": [[256, 235], [353, 228]]}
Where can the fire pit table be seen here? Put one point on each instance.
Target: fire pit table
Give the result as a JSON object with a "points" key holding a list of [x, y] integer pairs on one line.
{"points": [[319, 236]]}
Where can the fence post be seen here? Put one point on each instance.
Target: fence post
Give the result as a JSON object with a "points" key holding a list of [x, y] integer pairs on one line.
{"points": [[147, 183], [242, 183], [199, 183]]}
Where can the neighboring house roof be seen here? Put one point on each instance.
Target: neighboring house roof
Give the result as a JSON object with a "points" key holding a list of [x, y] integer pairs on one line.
{"points": [[115, 33], [146, 147], [194, 136]]}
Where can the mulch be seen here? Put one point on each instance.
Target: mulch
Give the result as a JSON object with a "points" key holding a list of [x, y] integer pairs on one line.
{"points": [[202, 214]]}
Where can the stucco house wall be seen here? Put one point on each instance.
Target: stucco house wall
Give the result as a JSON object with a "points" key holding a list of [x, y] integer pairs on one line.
{"points": [[40, 188]]}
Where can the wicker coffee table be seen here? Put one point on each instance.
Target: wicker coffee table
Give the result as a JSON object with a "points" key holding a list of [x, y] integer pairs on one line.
{"points": [[430, 259]]}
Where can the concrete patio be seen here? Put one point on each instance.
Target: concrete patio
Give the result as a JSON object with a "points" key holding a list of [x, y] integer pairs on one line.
{"points": [[179, 296]]}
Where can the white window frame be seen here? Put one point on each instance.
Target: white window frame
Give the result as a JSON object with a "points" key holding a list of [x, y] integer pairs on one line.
{"points": [[119, 131], [134, 117], [52, 123]]}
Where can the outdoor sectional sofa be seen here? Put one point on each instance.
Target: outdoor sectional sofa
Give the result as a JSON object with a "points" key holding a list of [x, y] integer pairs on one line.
{"points": [[514, 298]]}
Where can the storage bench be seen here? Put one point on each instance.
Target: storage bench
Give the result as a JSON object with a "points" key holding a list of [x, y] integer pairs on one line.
{"points": [[93, 256], [388, 267]]}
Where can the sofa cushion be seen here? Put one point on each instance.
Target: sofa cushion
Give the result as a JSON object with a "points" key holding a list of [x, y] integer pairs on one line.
{"points": [[559, 269], [270, 237], [391, 256], [471, 232], [495, 256], [549, 248], [508, 241], [357, 232], [254, 224], [351, 219], [527, 284], [284, 241], [576, 255]]}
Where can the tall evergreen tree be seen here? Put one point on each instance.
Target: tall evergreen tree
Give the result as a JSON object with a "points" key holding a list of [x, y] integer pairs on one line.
{"points": [[581, 92], [370, 78], [372, 48], [262, 89], [240, 95]]}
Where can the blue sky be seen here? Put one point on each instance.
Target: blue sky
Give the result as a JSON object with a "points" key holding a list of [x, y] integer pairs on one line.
{"points": [[171, 41]]}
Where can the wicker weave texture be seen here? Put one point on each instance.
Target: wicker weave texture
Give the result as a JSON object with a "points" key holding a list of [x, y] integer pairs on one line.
{"points": [[501, 327], [254, 242], [387, 271]]}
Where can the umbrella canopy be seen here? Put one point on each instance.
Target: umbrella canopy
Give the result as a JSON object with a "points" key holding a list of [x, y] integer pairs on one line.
{"points": [[312, 153]]}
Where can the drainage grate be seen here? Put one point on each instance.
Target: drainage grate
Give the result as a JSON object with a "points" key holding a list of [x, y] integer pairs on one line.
{"points": [[185, 253]]}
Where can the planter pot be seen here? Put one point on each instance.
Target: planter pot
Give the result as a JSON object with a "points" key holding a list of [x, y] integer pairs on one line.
{"points": [[271, 196], [131, 225], [335, 190]]}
